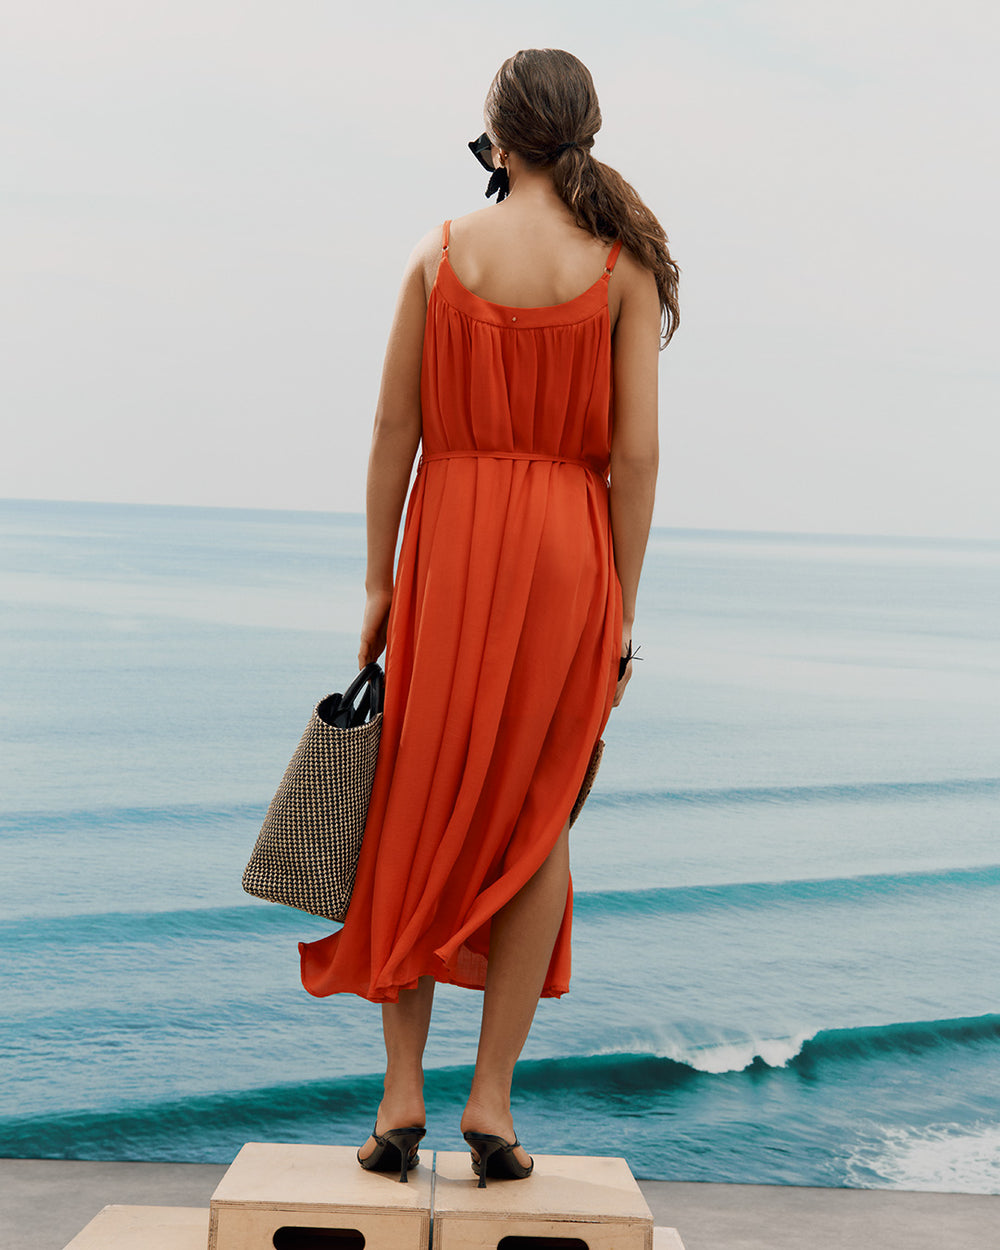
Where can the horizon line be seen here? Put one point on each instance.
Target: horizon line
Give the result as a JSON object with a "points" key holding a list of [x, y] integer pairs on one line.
{"points": [[728, 531]]}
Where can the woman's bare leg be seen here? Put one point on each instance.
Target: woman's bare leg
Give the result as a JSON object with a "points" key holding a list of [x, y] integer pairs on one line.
{"points": [[404, 1028], [522, 938]]}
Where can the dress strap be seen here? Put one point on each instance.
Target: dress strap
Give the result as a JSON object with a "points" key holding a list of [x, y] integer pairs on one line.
{"points": [[612, 260], [444, 235]]}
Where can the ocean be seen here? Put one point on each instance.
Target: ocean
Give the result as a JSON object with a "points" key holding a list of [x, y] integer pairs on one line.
{"points": [[787, 877]]}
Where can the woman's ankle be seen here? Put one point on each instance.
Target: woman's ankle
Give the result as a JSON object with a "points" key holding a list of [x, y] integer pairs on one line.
{"points": [[494, 1118], [487, 1113], [402, 1104]]}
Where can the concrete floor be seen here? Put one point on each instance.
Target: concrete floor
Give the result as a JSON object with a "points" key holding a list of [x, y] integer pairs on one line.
{"points": [[785, 1217], [45, 1202]]}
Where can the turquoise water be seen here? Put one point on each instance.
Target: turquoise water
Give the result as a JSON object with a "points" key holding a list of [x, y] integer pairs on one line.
{"points": [[788, 877]]}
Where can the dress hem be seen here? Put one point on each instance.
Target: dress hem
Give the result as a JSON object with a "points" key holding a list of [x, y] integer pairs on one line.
{"points": [[441, 977]]}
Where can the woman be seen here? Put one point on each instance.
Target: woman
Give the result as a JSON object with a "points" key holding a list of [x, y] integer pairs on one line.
{"points": [[510, 616]]}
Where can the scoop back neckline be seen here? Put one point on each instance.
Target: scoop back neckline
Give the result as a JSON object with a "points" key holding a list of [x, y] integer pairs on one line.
{"points": [[517, 308]]}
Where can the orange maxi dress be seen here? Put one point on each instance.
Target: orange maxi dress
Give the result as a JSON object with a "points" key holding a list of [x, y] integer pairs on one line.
{"points": [[503, 638]]}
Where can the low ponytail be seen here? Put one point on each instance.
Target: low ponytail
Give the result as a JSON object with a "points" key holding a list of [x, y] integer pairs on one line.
{"points": [[542, 104], [602, 202]]}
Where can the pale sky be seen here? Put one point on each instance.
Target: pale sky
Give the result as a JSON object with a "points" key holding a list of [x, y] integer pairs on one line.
{"points": [[208, 205]]}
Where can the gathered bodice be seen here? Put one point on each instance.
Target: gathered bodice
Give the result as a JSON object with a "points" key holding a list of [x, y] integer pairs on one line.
{"points": [[517, 382]]}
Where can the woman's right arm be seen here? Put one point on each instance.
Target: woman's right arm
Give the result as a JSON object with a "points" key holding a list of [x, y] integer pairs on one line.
{"points": [[634, 435], [394, 445]]}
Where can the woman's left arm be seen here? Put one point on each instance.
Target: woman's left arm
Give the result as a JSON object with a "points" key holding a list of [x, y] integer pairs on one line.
{"points": [[394, 445]]}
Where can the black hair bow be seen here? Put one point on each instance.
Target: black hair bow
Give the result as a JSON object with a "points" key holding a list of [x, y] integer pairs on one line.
{"points": [[499, 184]]}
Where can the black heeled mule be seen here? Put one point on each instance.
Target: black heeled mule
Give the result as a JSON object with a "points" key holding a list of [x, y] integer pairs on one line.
{"points": [[496, 1158], [392, 1151]]}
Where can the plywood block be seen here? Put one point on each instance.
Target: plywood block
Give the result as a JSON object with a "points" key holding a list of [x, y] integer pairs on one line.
{"points": [[593, 1199], [667, 1239], [273, 1186], [144, 1228]]}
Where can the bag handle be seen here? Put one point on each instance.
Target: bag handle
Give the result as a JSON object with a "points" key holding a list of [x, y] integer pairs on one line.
{"points": [[361, 701], [374, 696]]}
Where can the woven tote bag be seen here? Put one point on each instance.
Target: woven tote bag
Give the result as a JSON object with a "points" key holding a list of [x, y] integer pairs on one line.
{"points": [[595, 758], [588, 780], [306, 854]]}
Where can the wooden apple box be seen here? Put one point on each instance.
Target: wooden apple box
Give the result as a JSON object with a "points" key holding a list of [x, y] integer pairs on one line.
{"points": [[145, 1228], [667, 1239], [270, 1188], [286, 1196], [579, 1203]]}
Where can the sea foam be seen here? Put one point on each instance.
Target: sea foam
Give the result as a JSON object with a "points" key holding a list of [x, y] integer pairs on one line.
{"points": [[948, 1158]]}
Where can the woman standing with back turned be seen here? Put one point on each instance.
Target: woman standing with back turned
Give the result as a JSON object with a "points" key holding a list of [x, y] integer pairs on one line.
{"points": [[509, 622]]}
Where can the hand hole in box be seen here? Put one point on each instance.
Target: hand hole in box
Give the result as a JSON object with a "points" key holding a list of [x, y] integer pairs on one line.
{"points": [[291, 1238], [542, 1243]]}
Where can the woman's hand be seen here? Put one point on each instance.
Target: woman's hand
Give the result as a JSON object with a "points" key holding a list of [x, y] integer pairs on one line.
{"points": [[374, 625], [620, 689]]}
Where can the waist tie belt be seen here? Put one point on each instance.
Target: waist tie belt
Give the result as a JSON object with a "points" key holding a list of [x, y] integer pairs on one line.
{"points": [[474, 454]]}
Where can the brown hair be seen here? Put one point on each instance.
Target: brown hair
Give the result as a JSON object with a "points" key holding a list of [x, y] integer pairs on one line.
{"points": [[542, 105]]}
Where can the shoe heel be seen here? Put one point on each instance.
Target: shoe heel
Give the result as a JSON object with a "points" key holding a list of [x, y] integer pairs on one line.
{"points": [[483, 1146], [400, 1140], [404, 1140]]}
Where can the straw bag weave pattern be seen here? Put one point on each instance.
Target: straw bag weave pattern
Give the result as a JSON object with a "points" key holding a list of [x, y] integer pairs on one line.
{"points": [[306, 854], [588, 780]]}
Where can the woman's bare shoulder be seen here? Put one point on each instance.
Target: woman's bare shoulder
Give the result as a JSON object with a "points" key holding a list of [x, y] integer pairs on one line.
{"points": [[633, 291], [423, 261], [472, 223], [632, 272], [426, 256]]}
